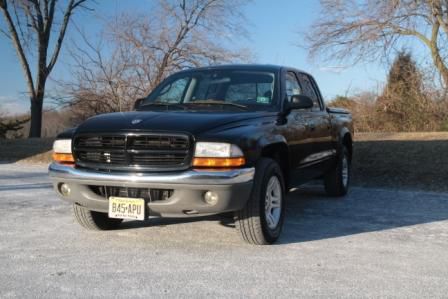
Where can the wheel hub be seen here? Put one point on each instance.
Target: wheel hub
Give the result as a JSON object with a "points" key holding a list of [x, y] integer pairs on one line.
{"points": [[345, 171], [273, 202]]}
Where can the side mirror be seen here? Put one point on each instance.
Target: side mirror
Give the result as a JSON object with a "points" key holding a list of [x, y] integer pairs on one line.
{"points": [[138, 103], [300, 101]]}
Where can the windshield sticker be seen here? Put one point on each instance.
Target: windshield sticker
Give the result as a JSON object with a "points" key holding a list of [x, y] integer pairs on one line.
{"points": [[263, 100]]}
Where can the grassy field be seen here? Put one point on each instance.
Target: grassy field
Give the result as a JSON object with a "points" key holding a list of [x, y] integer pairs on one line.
{"points": [[404, 160], [412, 161], [32, 150]]}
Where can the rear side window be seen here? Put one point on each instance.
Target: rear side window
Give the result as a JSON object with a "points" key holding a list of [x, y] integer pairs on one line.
{"points": [[308, 90]]}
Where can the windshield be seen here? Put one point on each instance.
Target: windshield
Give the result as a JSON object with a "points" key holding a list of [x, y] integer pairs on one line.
{"points": [[215, 89]]}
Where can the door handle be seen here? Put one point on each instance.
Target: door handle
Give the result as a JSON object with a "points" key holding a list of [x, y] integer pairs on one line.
{"points": [[310, 126]]}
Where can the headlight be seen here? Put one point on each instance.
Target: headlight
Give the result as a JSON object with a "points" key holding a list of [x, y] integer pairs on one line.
{"points": [[218, 155], [63, 146], [62, 151], [217, 150]]}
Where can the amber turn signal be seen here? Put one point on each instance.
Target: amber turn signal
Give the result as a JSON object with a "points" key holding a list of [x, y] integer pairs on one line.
{"points": [[219, 162], [63, 158]]}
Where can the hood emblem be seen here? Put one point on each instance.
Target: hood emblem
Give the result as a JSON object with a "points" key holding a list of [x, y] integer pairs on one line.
{"points": [[136, 121], [107, 156]]}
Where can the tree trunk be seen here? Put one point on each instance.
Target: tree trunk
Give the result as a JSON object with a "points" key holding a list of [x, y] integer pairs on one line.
{"points": [[439, 64], [36, 117], [37, 102], [444, 73]]}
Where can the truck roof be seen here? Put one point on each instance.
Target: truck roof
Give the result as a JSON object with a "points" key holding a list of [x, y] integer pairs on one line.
{"points": [[261, 67]]}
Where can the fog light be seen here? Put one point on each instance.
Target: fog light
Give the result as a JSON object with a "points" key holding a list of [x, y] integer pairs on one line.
{"points": [[64, 189], [211, 198]]}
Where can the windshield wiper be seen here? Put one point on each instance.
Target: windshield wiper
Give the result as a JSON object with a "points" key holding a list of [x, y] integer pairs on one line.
{"points": [[167, 105], [216, 102]]}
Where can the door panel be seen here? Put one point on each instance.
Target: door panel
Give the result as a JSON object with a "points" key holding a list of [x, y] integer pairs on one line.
{"points": [[300, 147], [298, 137], [319, 128], [318, 123]]}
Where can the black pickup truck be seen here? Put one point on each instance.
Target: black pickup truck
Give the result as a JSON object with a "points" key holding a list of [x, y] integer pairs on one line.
{"points": [[207, 141]]}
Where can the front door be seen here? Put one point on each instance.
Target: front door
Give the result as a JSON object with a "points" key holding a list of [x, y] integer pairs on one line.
{"points": [[297, 133]]}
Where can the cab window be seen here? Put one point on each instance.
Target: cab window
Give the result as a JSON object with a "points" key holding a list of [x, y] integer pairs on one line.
{"points": [[292, 85]]}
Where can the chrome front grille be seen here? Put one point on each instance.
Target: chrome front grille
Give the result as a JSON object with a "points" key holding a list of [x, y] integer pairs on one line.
{"points": [[133, 151]]}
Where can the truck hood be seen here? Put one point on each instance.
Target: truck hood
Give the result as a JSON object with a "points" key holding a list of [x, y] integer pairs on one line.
{"points": [[172, 121]]}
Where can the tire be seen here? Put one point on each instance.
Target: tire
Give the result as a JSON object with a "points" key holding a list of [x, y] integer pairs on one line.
{"points": [[337, 179], [92, 220], [252, 222]]}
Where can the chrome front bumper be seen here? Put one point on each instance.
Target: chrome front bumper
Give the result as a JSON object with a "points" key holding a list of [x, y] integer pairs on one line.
{"points": [[233, 187]]}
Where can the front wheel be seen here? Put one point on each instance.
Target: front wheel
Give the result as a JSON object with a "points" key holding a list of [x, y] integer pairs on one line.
{"points": [[337, 179], [92, 220], [260, 221]]}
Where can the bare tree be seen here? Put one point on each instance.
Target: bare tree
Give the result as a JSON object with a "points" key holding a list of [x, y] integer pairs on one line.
{"points": [[142, 49], [367, 30], [32, 22], [181, 34], [103, 80]]}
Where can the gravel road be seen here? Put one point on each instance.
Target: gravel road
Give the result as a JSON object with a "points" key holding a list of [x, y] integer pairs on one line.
{"points": [[373, 243]]}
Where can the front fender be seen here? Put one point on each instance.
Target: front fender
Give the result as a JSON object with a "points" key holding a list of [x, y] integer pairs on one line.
{"points": [[342, 132], [269, 140]]}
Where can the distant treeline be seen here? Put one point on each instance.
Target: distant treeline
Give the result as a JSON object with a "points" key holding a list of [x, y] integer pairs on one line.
{"points": [[407, 103]]}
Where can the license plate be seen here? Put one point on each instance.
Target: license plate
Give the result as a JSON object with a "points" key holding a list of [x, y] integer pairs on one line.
{"points": [[127, 208]]}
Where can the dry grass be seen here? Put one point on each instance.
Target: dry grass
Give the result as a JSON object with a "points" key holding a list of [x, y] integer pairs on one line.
{"points": [[401, 160], [32, 150], [415, 136], [386, 160]]}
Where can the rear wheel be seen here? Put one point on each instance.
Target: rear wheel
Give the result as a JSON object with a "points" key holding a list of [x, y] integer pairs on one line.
{"points": [[337, 180], [94, 220], [260, 221]]}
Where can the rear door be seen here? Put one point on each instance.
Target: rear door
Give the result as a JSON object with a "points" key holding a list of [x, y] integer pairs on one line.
{"points": [[318, 124]]}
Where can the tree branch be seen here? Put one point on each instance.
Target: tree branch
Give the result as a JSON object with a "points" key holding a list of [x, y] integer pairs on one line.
{"points": [[438, 14], [29, 15], [19, 49], [360, 29], [62, 31], [40, 21], [49, 16], [411, 32], [5, 33], [19, 24]]}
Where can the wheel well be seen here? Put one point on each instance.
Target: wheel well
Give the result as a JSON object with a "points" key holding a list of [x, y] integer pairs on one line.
{"points": [[348, 142], [279, 153]]}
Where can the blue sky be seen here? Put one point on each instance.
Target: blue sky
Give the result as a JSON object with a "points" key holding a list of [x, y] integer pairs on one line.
{"points": [[274, 28]]}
